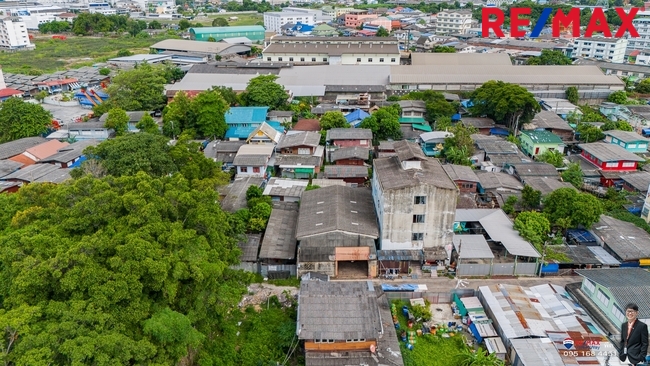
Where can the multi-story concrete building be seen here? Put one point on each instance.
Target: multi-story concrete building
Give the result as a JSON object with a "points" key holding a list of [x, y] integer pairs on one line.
{"points": [[35, 15], [13, 35], [274, 20], [606, 49], [355, 18], [453, 22], [642, 25], [415, 201], [333, 50]]}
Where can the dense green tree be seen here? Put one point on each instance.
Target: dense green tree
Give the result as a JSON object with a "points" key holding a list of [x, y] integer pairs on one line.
{"points": [[192, 163], [509, 205], [618, 97], [480, 357], [259, 217], [567, 203], [530, 197], [382, 32], [573, 175], [177, 115], [115, 271], [136, 26], [506, 103], [154, 25], [212, 39], [533, 226], [118, 120], [264, 91], [105, 71], [549, 57], [20, 119], [124, 53], [618, 125], [254, 192], [436, 105], [329, 120], [442, 123], [54, 27], [219, 22], [141, 88], [229, 95], [589, 133], [209, 111], [384, 123], [183, 24], [552, 157], [444, 49], [172, 72], [148, 125], [572, 94], [643, 86]]}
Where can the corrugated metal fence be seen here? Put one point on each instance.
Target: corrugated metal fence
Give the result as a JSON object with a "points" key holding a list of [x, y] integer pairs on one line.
{"points": [[278, 270]]}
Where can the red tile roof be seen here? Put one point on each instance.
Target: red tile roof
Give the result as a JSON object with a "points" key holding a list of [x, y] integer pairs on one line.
{"points": [[8, 92], [307, 125], [22, 159], [58, 82], [46, 149]]}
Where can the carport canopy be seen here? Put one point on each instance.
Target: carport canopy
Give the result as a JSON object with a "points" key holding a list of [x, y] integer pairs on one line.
{"points": [[472, 247]]}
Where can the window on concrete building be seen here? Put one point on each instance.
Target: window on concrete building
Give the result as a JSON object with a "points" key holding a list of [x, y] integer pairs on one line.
{"points": [[590, 286], [417, 236], [628, 164], [359, 59], [418, 219], [392, 59], [612, 164], [313, 59], [279, 58], [604, 299], [381, 60], [268, 59], [290, 58], [618, 313], [324, 59], [420, 200], [369, 59], [256, 169], [243, 169]]}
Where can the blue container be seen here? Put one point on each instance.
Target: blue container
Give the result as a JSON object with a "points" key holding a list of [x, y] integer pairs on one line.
{"points": [[405, 310], [404, 339], [409, 346], [396, 325]]}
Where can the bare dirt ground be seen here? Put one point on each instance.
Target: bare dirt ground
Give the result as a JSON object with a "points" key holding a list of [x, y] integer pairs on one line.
{"points": [[259, 293]]}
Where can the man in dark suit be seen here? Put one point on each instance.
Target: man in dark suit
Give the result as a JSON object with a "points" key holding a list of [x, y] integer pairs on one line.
{"points": [[634, 337]]}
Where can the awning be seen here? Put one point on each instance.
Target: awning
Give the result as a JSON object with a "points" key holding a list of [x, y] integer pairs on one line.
{"points": [[421, 127], [304, 170]]}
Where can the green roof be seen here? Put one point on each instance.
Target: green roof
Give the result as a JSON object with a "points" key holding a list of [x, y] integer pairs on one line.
{"points": [[542, 137], [421, 127], [241, 28]]}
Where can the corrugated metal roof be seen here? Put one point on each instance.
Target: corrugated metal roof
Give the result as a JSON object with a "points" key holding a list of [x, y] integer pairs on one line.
{"points": [[604, 257], [472, 247]]}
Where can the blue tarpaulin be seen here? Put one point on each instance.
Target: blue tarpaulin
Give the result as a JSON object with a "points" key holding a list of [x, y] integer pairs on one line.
{"points": [[551, 268], [475, 332], [406, 287], [499, 131], [455, 117]]}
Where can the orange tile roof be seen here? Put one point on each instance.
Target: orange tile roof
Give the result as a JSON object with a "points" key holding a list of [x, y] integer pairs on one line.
{"points": [[307, 125], [22, 159], [46, 149]]}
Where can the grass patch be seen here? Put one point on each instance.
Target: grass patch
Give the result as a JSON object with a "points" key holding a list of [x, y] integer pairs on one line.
{"points": [[53, 55], [293, 282], [242, 19], [429, 349]]}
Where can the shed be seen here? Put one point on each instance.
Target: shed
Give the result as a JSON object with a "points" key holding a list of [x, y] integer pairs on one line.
{"points": [[626, 241], [279, 241]]}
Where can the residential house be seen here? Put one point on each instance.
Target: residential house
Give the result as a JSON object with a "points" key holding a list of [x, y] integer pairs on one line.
{"points": [[611, 289], [561, 107], [9, 187], [341, 324], [17, 147], [349, 137], [299, 155], [242, 121], [637, 182], [71, 155], [290, 190], [610, 158], [249, 251], [265, 134], [537, 142], [39, 152], [625, 241], [8, 166], [280, 116], [465, 178], [89, 131], [413, 109], [551, 122], [254, 160], [547, 185], [354, 175], [519, 257], [415, 201], [233, 195], [355, 117], [630, 141], [30, 173], [279, 242], [483, 124], [350, 156], [524, 171], [337, 229], [307, 125], [493, 153], [223, 152], [134, 118], [385, 149], [433, 142], [495, 187]]}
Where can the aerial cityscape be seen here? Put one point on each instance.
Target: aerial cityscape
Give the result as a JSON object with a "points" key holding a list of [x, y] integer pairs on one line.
{"points": [[324, 183]]}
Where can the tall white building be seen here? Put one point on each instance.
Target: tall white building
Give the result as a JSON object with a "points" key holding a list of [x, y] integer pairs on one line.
{"points": [[453, 22], [642, 25], [606, 49], [274, 20], [35, 15], [13, 35]]}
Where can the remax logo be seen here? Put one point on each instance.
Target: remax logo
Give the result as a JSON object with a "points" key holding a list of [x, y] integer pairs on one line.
{"points": [[568, 343], [492, 19]]}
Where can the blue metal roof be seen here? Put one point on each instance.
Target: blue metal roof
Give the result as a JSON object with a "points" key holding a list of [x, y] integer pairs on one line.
{"points": [[356, 115], [244, 132], [237, 115], [300, 27]]}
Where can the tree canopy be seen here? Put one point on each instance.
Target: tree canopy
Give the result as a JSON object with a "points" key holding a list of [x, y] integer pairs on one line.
{"points": [[436, 104], [329, 120], [552, 157], [139, 89], [128, 270], [444, 49], [459, 147], [506, 103], [569, 204], [205, 115], [19, 119], [618, 125], [382, 32], [118, 120], [264, 91], [384, 123], [549, 57]]}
